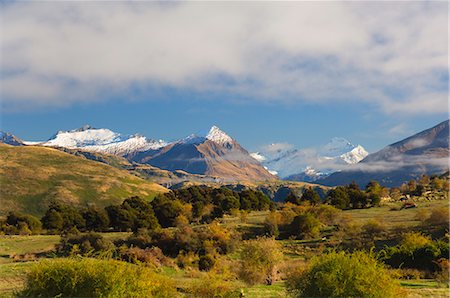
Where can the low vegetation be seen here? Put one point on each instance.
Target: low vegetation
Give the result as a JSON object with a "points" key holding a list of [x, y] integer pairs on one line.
{"points": [[340, 274], [216, 242], [94, 278]]}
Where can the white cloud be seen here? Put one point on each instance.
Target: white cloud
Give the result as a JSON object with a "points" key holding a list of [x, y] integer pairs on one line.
{"points": [[392, 55]]}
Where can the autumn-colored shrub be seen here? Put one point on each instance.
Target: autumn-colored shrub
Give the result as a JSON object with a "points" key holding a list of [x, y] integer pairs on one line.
{"points": [[340, 274], [95, 278], [259, 260]]}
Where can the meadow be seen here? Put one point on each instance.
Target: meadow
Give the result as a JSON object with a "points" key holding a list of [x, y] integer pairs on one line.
{"points": [[19, 253]]}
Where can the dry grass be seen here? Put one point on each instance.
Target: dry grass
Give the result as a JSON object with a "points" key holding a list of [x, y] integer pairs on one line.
{"points": [[31, 176]]}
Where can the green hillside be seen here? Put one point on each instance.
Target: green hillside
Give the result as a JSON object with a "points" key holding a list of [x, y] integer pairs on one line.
{"points": [[31, 176]]}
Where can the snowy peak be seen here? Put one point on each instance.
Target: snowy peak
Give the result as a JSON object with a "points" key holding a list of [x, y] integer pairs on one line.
{"points": [[308, 164], [355, 155], [83, 128], [10, 139], [336, 147], [218, 136], [84, 136], [102, 140]]}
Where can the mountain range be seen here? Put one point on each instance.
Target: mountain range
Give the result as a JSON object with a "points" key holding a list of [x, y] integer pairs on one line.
{"points": [[426, 152], [218, 158], [213, 154], [310, 164]]}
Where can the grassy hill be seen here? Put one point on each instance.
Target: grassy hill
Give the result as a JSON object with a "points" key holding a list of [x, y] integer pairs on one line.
{"points": [[30, 177]]}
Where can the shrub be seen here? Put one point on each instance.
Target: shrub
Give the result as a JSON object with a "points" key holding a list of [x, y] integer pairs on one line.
{"points": [[373, 228], [342, 275], [442, 275], [94, 278], [259, 259], [23, 224], [84, 244], [150, 256], [439, 216], [416, 251], [206, 262], [305, 226], [213, 286]]}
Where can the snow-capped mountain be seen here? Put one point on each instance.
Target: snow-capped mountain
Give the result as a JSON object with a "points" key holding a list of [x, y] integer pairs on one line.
{"points": [[218, 136], [102, 140], [426, 152], [10, 139], [310, 164], [215, 154]]}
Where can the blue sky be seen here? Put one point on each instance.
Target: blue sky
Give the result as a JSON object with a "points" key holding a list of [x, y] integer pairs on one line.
{"points": [[299, 73]]}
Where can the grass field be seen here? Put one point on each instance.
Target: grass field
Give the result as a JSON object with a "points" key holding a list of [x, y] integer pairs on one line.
{"points": [[12, 271], [391, 217], [32, 176]]}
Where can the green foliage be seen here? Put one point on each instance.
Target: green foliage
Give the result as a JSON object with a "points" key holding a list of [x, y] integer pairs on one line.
{"points": [[63, 217], [305, 226], [84, 244], [94, 278], [292, 198], [351, 197], [96, 219], [416, 251], [133, 214], [309, 195], [259, 258], [20, 224], [206, 263], [212, 238], [166, 210], [212, 286], [342, 275], [339, 197]]}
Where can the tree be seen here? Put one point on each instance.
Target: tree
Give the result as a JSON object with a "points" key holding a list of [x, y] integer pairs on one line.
{"points": [[259, 258], [96, 219], [292, 198], [52, 220], [142, 213], [305, 226], [120, 219], [71, 217], [24, 222], [339, 198], [311, 196], [166, 210]]}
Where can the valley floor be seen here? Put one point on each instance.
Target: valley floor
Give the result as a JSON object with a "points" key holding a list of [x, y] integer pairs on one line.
{"points": [[18, 253]]}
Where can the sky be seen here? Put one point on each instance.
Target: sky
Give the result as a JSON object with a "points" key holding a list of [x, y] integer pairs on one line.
{"points": [[265, 72]]}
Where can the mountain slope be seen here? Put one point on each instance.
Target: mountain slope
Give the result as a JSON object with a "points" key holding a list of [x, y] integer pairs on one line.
{"points": [[31, 176], [426, 152], [215, 154], [10, 139]]}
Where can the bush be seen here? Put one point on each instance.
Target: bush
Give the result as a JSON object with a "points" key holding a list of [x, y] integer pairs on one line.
{"points": [[373, 228], [342, 275], [305, 226], [94, 278], [206, 262], [439, 216], [23, 224], [150, 256], [259, 259], [84, 244], [213, 286], [416, 251]]}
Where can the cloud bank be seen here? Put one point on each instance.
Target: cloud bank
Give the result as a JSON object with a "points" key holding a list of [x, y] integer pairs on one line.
{"points": [[392, 56]]}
